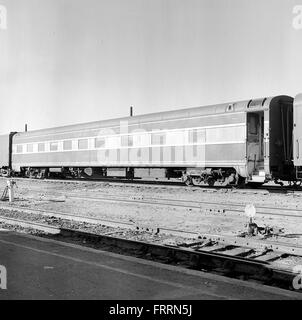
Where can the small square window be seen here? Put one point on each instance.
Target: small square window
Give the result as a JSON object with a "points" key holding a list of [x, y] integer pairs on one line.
{"points": [[99, 142], [200, 136], [54, 146], [141, 140], [130, 141], [29, 147], [158, 138], [19, 148], [127, 141], [41, 147], [193, 136], [83, 144], [67, 145]]}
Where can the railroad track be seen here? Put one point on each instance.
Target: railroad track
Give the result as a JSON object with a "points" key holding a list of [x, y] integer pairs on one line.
{"points": [[171, 183], [206, 253], [217, 206], [210, 206], [264, 244]]}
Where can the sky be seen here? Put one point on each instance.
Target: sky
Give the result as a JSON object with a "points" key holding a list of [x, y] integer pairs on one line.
{"points": [[71, 61]]}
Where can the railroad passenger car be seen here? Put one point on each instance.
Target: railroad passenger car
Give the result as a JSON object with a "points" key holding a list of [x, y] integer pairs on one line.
{"points": [[229, 143]]}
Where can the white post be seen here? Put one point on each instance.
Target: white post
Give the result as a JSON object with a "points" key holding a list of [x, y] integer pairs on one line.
{"points": [[10, 184]]}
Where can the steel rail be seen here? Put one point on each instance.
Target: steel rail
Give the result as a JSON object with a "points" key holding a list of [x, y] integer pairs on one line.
{"points": [[30, 224], [161, 183], [105, 222], [159, 202], [182, 203], [264, 244]]}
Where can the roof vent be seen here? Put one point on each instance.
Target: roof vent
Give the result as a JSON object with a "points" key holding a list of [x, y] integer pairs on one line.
{"points": [[230, 107]]}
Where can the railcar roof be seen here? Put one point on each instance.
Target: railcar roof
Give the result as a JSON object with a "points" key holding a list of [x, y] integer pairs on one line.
{"points": [[151, 117]]}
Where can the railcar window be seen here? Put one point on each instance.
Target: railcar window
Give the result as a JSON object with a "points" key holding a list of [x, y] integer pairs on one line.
{"points": [[139, 153], [30, 147], [158, 138], [83, 144], [54, 146], [200, 135], [141, 140], [127, 141], [41, 147], [99, 142], [19, 148], [176, 138], [253, 124], [113, 142], [196, 136], [192, 136], [124, 141], [130, 141], [67, 145], [137, 140]]}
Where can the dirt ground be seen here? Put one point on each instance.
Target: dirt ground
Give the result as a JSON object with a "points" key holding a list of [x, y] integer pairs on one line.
{"points": [[50, 195]]}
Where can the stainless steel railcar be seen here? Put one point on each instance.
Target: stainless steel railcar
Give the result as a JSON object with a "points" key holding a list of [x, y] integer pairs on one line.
{"points": [[247, 141]]}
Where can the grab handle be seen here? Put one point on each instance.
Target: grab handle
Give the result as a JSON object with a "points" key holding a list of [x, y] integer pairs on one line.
{"points": [[265, 149], [298, 147]]}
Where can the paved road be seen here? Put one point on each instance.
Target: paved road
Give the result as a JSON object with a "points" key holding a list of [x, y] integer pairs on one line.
{"points": [[47, 269]]}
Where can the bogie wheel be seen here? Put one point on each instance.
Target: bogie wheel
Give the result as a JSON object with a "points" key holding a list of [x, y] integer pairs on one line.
{"points": [[196, 181], [188, 181], [211, 182], [241, 182]]}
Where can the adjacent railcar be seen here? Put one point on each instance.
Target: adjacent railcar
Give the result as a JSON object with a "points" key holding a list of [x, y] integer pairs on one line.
{"points": [[226, 143], [6, 153], [297, 136]]}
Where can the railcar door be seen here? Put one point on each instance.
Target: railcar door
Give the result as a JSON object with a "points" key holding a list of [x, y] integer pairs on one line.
{"points": [[297, 138], [281, 138], [255, 142]]}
